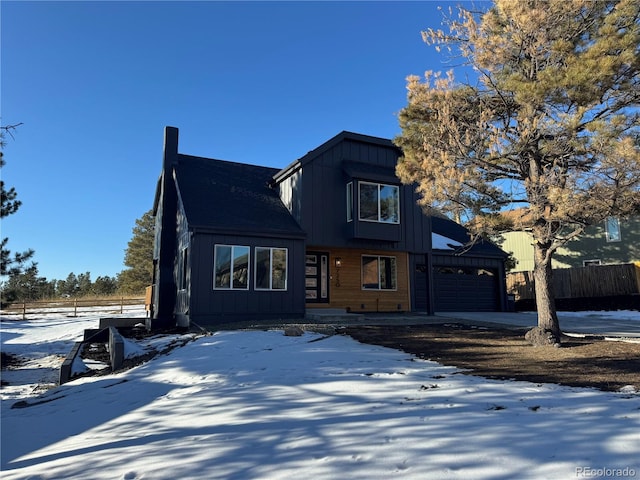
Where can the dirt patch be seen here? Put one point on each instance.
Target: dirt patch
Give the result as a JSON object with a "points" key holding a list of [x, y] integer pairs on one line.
{"points": [[505, 354]]}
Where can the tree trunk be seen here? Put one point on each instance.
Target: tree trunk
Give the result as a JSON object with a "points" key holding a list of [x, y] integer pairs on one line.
{"points": [[548, 330]]}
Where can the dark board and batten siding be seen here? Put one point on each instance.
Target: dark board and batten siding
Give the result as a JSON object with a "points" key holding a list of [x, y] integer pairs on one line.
{"points": [[322, 210], [210, 306], [182, 271]]}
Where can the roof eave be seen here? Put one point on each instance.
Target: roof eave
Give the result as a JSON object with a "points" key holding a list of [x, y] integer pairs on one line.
{"points": [[332, 142], [250, 232]]}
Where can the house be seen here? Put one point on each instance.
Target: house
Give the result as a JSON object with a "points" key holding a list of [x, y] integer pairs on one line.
{"points": [[334, 229], [614, 241]]}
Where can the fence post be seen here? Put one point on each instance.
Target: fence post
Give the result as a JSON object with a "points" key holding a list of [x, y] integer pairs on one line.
{"points": [[24, 311], [121, 305]]}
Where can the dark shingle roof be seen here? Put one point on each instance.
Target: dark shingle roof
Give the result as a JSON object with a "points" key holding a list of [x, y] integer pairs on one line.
{"points": [[455, 231], [232, 197]]}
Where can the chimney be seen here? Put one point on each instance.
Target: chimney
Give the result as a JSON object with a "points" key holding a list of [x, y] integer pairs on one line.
{"points": [[165, 290]]}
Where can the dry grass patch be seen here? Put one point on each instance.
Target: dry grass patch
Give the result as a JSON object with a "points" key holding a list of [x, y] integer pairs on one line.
{"points": [[505, 354]]}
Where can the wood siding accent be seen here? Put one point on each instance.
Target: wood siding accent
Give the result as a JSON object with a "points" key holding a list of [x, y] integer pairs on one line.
{"points": [[345, 288]]}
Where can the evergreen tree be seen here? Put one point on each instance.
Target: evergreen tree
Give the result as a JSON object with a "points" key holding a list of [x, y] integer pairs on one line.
{"points": [[105, 286], [139, 257], [85, 287], [27, 285], [550, 125], [9, 265], [69, 286]]}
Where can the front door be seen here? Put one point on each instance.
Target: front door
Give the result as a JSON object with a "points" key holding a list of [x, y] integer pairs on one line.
{"points": [[317, 277]]}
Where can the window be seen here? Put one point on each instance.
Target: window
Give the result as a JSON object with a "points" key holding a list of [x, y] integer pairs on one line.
{"points": [[349, 201], [231, 267], [379, 273], [612, 228], [591, 263], [271, 268], [379, 203], [184, 264]]}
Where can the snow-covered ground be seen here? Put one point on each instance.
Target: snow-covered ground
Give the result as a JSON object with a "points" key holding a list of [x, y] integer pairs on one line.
{"points": [[261, 405]]}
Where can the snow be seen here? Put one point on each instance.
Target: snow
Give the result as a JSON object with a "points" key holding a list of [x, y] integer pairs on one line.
{"points": [[613, 314], [261, 405], [440, 242]]}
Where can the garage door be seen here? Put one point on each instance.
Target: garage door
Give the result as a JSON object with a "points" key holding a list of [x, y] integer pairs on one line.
{"points": [[465, 289]]}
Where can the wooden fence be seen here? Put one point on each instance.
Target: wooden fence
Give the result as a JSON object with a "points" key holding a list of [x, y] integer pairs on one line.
{"points": [[595, 281], [73, 307]]}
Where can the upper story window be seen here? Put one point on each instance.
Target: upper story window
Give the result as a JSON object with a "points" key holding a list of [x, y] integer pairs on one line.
{"points": [[349, 201], [231, 267], [612, 228], [379, 202]]}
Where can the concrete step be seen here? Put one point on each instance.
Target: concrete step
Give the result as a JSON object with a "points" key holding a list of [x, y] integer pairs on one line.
{"points": [[332, 315]]}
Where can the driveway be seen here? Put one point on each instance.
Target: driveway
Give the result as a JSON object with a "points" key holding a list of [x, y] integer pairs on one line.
{"points": [[606, 324]]}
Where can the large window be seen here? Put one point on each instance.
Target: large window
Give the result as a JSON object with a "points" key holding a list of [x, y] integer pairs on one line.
{"points": [[379, 273], [231, 267], [612, 227], [271, 268], [379, 202]]}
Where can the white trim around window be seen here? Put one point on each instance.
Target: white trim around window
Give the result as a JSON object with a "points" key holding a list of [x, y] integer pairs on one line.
{"points": [[350, 202], [231, 267], [271, 268], [612, 229], [378, 202], [591, 263]]}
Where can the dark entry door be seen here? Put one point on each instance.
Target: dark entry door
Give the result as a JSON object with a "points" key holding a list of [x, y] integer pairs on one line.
{"points": [[317, 277]]}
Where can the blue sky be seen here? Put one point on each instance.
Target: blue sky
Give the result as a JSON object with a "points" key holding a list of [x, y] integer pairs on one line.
{"points": [[95, 83]]}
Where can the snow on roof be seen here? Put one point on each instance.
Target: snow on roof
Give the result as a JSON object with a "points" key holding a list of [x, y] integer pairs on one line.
{"points": [[440, 242]]}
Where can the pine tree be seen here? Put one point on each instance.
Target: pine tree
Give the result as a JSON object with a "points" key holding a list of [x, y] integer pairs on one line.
{"points": [[68, 287], [9, 205], [85, 286], [550, 125], [25, 286], [105, 285], [139, 257]]}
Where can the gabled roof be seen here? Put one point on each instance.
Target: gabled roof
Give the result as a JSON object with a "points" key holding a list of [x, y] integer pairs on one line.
{"points": [[344, 135], [224, 196], [454, 231]]}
